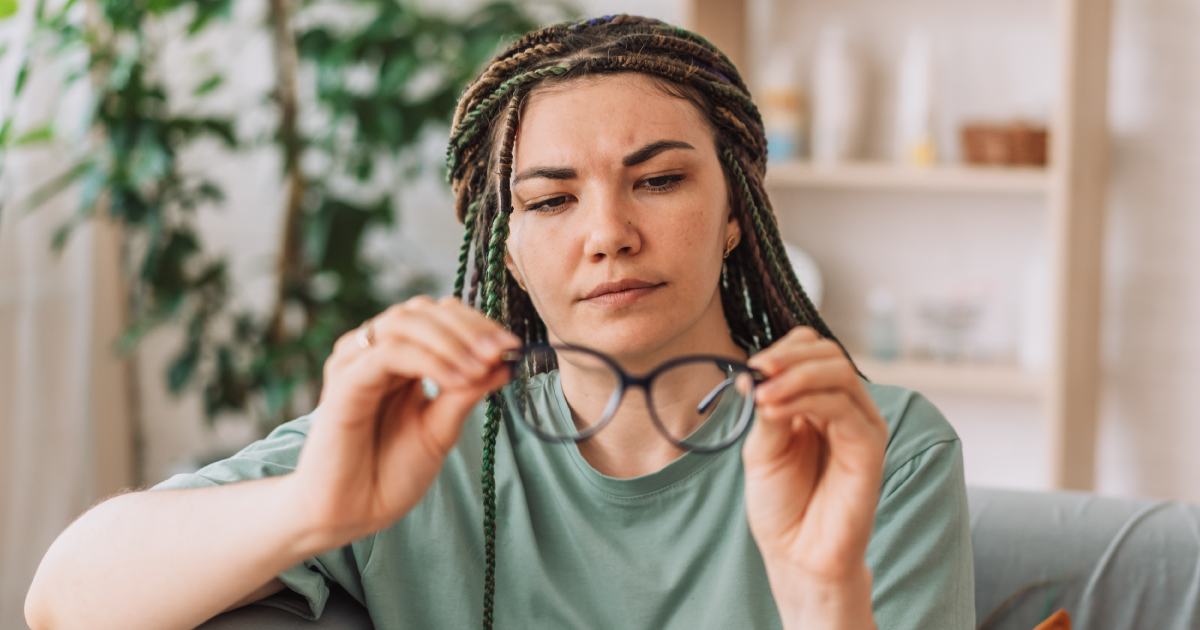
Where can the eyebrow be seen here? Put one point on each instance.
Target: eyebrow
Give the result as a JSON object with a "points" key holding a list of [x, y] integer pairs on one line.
{"points": [[653, 149], [545, 172], [633, 159]]}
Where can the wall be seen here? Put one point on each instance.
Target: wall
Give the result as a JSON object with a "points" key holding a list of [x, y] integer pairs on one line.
{"points": [[1149, 430], [1153, 282]]}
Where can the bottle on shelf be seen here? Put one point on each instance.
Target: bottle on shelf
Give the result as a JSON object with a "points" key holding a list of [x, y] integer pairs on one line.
{"points": [[883, 328], [784, 110], [838, 108], [915, 87]]}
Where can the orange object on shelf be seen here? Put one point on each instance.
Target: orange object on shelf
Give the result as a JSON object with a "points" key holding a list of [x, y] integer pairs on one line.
{"points": [[1014, 144]]}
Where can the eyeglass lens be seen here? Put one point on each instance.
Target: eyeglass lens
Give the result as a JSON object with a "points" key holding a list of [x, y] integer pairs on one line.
{"points": [[699, 404]]}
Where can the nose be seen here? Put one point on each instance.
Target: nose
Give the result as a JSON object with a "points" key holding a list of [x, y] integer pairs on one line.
{"points": [[611, 227]]}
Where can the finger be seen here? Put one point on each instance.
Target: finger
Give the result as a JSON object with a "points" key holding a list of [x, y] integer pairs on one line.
{"points": [[364, 381], [448, 411], [345, 349], [806, 377], [793, 349], [772, 441], [428, 329], [854, 436], [441, 419], [486, 338], [835, 371], [855, 444]]}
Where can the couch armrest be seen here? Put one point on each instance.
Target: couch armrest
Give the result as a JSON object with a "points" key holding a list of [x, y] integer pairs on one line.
{"points": [[342, 612], [1112, 563]]}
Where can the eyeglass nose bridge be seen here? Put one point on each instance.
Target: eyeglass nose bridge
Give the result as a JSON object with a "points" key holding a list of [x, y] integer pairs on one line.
{"points": [[626, 381]]}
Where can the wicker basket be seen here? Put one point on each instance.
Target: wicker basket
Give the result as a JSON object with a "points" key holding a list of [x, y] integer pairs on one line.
{"points": [[1016, 144]]}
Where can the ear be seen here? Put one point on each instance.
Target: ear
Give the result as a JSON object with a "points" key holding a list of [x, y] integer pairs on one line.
{"points": [[512, 268], [733, 231]]}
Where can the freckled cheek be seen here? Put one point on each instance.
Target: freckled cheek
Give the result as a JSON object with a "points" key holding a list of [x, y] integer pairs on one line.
{"points": [[543, 257], [689, 232]]}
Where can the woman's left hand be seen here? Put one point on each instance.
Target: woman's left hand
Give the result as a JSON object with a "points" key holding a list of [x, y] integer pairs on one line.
{"points": [[814, 463]]}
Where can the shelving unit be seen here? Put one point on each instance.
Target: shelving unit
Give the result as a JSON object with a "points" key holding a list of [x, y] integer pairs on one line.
{"points": [[958, 378], [884, 176], [1073, 191]]}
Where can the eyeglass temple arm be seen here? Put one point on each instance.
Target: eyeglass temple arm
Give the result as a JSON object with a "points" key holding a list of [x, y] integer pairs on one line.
{"points": [[713, 395], [716, 392]]}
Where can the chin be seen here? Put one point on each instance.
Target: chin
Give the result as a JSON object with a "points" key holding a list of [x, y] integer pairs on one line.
{"points": [[625, 338]]}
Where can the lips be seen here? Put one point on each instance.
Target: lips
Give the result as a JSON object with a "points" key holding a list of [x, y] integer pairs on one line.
{"points": [[621, 292]]}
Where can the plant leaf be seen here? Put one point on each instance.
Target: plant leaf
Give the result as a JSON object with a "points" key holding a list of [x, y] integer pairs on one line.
{"points": [[43, 133], [211, 83]]}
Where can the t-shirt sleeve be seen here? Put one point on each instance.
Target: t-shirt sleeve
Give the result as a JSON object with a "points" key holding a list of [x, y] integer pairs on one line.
{"points": [[271, 456], [920, 550]]}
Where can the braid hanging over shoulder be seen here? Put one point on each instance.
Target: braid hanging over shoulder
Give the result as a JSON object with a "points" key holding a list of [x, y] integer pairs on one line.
{"points": [[760, 295]]}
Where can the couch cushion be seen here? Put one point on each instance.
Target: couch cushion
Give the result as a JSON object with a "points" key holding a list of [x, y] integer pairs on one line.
{"points": [[341, 613], [1112, 563]]}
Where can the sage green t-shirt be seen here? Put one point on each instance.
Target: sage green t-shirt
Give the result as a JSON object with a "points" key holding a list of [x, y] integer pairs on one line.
{"points": [[672, 549]]}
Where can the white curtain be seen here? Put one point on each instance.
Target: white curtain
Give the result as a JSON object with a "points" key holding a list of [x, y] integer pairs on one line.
{"points": [[63, 418], [46, 461]]}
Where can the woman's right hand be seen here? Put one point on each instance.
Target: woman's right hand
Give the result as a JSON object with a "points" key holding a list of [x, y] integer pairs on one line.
{"points": [[377, 442]]}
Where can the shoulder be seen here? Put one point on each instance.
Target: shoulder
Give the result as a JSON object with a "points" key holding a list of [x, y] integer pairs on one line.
{"points": [[920, 550], [915, 426], [271, 456]]}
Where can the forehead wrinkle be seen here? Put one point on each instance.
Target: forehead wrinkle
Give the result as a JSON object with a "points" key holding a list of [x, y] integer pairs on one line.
{"points": [[615, 142]]}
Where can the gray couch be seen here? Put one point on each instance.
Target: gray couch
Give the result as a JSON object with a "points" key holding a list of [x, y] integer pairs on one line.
{"points": [[1112, 563]]}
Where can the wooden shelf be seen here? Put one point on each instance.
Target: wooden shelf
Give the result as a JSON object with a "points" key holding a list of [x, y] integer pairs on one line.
{"points": [[956, 378], [885, 176], [1074, 192]]}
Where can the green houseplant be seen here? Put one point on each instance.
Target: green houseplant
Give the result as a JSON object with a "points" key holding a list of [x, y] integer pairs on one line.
{"points": [[415, 62]]}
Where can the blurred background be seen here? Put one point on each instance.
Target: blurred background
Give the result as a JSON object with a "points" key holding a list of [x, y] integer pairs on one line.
{"points": [[995, 198]]}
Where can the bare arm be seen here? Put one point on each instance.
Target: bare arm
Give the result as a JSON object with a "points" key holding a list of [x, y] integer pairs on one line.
{"points": [[170, 559], [166, 560], [267, 590]]}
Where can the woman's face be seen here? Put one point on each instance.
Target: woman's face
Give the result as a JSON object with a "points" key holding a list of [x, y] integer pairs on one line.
{"points": [[621, 219]]}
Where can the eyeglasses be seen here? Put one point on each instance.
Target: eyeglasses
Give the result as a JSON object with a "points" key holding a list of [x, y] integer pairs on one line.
{"points": [[699, 403]]}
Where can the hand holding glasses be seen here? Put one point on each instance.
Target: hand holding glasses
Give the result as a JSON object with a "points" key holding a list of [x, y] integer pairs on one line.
{"points": [[699, 403]]}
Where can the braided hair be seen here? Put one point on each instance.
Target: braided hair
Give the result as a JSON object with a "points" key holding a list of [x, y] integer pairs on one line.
{"points": [[760, 295]]}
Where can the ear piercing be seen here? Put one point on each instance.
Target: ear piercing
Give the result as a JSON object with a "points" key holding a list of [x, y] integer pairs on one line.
{"points": [[730, 245]]}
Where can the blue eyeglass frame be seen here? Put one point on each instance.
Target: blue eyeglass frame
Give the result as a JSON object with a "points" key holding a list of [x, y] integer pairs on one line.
{"points": [[626, 381]]}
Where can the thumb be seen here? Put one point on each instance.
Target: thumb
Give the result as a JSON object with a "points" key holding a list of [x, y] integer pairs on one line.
{"points": [[768, 441], [447, 413]]}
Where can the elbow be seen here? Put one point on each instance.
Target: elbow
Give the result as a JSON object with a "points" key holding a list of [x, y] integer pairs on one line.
{"points": [[39, 613]]}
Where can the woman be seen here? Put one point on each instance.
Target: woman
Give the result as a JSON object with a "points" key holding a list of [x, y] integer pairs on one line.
{"points": [[610, 175]]}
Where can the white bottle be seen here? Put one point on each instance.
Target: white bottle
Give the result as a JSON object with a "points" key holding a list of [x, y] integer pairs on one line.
{"points": [[883, 326], [915, 86], [837, 98], [783, 109]]}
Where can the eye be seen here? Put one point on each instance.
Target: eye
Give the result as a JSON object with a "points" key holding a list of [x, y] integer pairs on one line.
{"points": [[662, 183], [548, 204]]}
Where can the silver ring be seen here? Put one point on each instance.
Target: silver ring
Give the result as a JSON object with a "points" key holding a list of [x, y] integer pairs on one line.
{"points": [[365, 335]]}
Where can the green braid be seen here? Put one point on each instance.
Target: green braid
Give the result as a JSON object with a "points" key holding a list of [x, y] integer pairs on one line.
{"points": [[768, 232], [469, 127], [493, 308], [468, 235], [759, 228]]}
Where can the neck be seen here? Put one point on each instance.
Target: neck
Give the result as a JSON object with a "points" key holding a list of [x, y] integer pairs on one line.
{"points": [[631, 446]]}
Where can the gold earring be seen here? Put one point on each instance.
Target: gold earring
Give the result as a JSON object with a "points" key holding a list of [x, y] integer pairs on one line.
{"points": [[730, 245]]}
